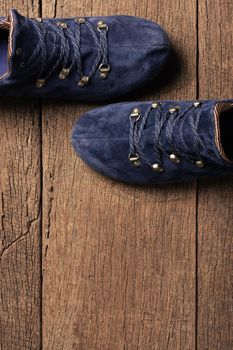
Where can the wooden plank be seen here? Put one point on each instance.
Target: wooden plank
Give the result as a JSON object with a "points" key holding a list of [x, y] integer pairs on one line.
{"points": [[215, 223], [20, 283], [118, 260]]}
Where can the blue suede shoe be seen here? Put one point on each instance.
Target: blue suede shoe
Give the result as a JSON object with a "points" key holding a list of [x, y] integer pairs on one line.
{"points": [[88, 59], [159, 142]]}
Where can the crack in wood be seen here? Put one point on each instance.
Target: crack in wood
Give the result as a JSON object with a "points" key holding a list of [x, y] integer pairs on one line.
{"points": [[50, 205], [22, 236], [3, 214], [55, 8], [51, 197]]}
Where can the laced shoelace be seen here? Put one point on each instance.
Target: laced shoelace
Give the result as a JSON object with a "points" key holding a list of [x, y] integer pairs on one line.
{"points": [[166, 121], [69, 56]]}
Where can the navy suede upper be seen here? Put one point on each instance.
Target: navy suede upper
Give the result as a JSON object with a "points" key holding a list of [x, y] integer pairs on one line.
{"points": [[137, 51], [101, 138]]}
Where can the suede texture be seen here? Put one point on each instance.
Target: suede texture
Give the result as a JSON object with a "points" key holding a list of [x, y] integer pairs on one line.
{"points": [[137, 51], [101, 138]]}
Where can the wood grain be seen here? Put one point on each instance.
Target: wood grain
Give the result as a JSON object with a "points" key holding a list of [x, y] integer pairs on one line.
{"points": [[215, 223], [20, 283], [118, 260], [20, 226]]}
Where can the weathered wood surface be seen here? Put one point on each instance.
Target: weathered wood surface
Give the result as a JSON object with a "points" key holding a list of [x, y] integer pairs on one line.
{"points": [[215, 208], [20, 214], [118, 261], [123, 267]]}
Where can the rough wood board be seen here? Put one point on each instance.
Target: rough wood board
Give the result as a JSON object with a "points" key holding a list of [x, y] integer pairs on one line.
{"points": [[20, 284], [118, 261], [20, 227], [215, 219]]}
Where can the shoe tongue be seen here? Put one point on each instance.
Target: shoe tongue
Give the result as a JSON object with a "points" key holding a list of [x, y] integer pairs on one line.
{"points": [[23, 39], [207, 130], [22, 34]]}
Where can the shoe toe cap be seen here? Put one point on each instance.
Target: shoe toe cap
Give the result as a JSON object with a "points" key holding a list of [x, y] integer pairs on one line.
{"points": [[136, 32], [101, 139], [137, 51], [105, 122], [144, 50]]}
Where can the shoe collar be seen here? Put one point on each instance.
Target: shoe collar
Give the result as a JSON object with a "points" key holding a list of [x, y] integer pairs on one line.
{"points": [[219, 108]]}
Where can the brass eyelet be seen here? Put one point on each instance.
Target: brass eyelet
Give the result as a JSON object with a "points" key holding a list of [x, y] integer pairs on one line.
{"points": [[18, 51], [83, 81], [104, 70], [40, 83], [199, 163], [135, 115], [80, 20], [64, 73], [174, 159], [62, 25], [134, 159], [102, 26], [157, 168], [155, 105], [197, 104], [174, 109]]}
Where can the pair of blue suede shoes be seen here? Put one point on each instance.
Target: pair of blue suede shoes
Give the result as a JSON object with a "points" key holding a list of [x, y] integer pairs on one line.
{"points": [[95, 59]]}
